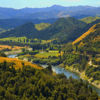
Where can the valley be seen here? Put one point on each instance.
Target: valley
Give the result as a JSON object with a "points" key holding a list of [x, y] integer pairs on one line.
{"points": [[50, 53], [47, 51]]}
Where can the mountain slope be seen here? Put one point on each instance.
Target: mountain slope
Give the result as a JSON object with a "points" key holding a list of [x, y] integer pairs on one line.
{"points": [[87, 30], [90, 19], [42, 26], [83, 36], [27, 30], [2, 30], [90, 41], [55, 11], [93, 34], [65, 29]]}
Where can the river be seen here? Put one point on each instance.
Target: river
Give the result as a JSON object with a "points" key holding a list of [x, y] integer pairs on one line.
{"points": [[12, 56], [67, 73]]}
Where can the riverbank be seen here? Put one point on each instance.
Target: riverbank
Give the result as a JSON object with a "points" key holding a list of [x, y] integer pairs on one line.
{"points": [[83, 76]]}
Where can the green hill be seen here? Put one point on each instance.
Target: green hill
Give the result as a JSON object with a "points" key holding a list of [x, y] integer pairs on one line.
{"points": [[2, 30], [64, 29], [89, 19], [27, 30]]}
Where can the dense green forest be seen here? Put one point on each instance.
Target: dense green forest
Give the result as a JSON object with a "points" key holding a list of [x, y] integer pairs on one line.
{"points": [[33, 84]]}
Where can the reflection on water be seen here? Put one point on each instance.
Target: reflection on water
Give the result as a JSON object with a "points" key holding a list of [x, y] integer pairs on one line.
{"points": [[12, 56], [59, 70]]}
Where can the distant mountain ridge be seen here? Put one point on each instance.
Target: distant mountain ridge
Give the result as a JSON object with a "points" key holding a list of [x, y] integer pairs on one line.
{"points": [[12, 23], [55, 11]]}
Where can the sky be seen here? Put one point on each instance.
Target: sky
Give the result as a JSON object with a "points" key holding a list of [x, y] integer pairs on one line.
{"points": [[17, 4]]}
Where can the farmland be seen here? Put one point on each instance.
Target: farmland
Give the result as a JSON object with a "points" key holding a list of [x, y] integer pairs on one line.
{"points": [[47, 54]]}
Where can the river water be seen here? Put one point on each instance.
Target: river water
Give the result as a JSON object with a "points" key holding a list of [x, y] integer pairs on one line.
{"points": [[67, 73], [12, 56]]}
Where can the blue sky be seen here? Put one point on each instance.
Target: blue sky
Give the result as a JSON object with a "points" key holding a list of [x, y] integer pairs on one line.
{"points": [[45, 3]]}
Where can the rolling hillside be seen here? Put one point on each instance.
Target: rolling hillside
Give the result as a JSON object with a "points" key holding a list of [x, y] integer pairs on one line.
{"points": [[83, 36], [42, 26], [64, 30], [2, 30], [90, 40], [27, 30], [90, 19]]}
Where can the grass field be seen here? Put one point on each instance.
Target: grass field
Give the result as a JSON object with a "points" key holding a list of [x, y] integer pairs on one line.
{"points": [[47, 54], [42, 26], [14, 39], [18, 63]]}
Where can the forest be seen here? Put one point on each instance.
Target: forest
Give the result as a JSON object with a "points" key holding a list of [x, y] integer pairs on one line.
{"points": [[33, 84]]}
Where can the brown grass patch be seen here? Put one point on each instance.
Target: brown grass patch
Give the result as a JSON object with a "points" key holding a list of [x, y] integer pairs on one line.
{"points": [[18, 63], [91, 30], [10, 47]]}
